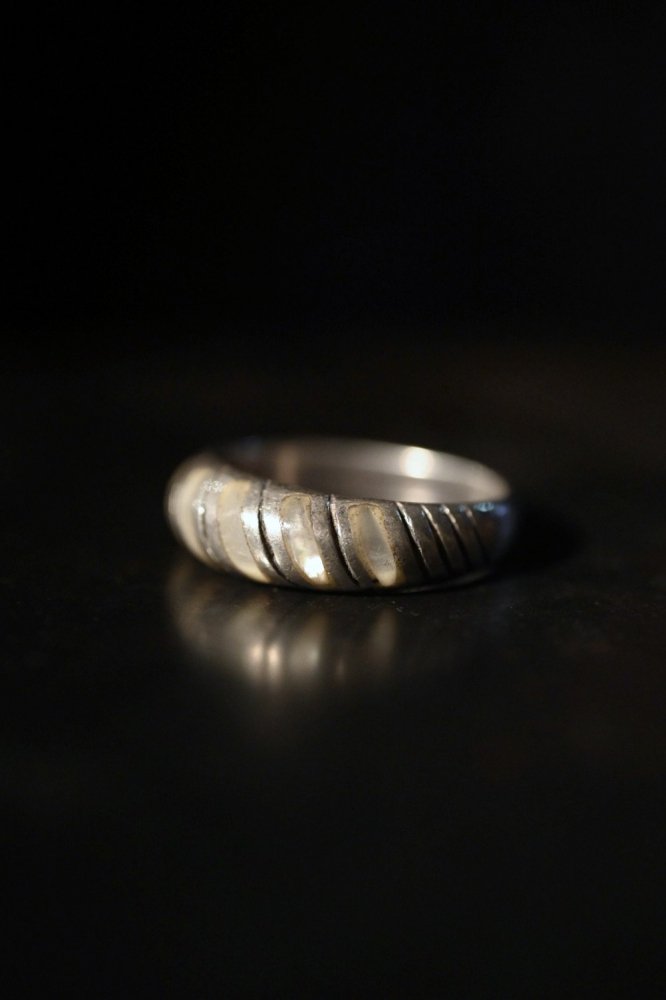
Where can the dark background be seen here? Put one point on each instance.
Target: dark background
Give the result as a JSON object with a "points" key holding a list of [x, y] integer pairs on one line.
{"points": [[424, 163], [435, 223]]}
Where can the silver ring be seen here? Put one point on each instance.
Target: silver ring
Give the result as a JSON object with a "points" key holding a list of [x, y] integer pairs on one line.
{"points": [[336, 514]]}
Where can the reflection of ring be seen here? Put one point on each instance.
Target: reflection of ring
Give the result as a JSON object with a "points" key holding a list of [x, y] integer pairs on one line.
{"points": [[279, 638], [341, 514]]}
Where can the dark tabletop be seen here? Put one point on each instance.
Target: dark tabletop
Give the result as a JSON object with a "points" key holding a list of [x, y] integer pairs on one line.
{"points": [[223, 787], [434, 223]]}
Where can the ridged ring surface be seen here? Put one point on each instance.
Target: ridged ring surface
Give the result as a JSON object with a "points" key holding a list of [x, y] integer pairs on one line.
{"points": [[335, 514]]}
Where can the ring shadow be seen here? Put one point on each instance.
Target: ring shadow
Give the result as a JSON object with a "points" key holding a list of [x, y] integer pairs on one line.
{"points": [[543, 538]]}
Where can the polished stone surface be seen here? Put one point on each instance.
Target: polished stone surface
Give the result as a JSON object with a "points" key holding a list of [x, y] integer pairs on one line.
{"points": [[299, 537], [234, 789], [373, 544]]}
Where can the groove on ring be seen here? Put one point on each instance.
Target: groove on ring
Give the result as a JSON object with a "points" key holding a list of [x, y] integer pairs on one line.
{"points": [[448, 513], [426, 543], [441, 548], [337, 540], [265, 541]]}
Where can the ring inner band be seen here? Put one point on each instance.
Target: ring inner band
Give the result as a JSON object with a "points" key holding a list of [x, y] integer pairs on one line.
{"points": [[369, 469]]}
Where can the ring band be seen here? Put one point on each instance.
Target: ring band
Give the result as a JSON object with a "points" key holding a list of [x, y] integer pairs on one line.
{"points": [[336, 514]]}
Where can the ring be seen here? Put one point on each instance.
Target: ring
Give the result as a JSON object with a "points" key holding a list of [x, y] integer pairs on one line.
{"points": [[336, 514]]}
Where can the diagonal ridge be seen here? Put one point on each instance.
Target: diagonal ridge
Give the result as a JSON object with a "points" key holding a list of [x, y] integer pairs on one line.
{"points": [[441, 548], [413, 537], [268, 548], [456, 532], [337, 542]]}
